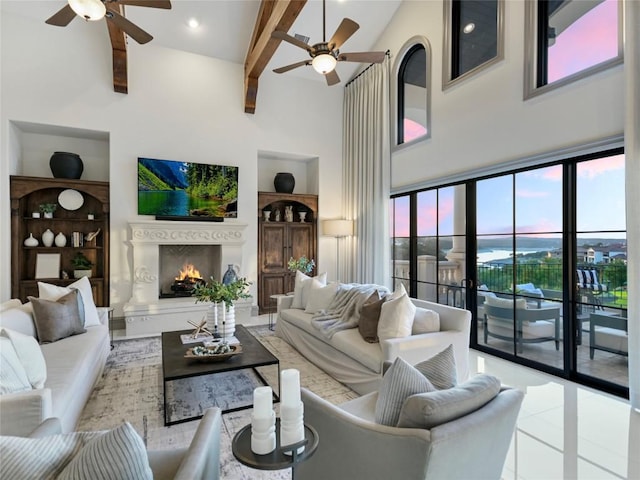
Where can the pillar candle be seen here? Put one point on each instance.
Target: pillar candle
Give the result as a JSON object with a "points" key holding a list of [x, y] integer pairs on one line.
{"points": [[290, 387], [262, 402], [215, 314]]}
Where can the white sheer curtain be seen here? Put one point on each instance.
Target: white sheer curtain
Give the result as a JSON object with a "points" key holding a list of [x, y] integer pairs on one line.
{"points": [[366, 176], [632, 173]]}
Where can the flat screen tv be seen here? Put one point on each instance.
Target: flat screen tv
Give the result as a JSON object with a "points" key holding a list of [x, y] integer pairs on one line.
{"points": [[186, 190]]}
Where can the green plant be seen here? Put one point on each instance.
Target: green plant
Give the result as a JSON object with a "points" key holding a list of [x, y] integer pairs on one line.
{"points": [[302, 264], [48, 207], [215, 291], [80, 262]]}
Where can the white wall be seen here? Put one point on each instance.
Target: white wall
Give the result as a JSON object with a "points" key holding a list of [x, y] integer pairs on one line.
{"points": [[180, 106], [484, 121]]}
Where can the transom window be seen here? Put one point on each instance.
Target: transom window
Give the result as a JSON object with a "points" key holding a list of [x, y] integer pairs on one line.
{"points": [[570, 39], [473, 37]]}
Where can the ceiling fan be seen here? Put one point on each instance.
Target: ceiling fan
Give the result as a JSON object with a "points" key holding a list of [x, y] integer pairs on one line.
{"points": [[97, 9], [325, 55]]}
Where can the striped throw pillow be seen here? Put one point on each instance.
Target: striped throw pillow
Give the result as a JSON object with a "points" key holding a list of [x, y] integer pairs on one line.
{"points": [[440, 369], [119, 453], [41, 458], [399, 382]]}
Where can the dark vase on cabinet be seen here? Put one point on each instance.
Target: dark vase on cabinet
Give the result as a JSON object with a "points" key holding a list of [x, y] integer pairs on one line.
{"points": [[278, 241], [284, 182], [72, 223], [66, 165]]}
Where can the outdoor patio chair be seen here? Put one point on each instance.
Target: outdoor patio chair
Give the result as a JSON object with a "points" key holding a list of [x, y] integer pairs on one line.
{"points": [[589, 286]]}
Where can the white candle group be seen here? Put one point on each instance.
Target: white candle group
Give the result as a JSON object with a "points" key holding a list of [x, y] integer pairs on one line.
{"points": [[262, 402], [290, 387]]}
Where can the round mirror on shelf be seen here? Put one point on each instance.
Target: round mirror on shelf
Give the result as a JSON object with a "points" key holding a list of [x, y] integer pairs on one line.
{"points": [[70, 199]]}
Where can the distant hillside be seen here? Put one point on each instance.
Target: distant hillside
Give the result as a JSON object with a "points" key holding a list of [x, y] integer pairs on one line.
{"points": [[161, 175]]}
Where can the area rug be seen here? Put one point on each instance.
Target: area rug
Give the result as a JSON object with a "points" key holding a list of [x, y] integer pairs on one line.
{"points": [[131, 390]]}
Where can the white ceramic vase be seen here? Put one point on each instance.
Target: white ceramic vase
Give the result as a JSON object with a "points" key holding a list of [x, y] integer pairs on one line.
{"points": [[226, 320], [47, 238], [30, 241], [60, 240]]}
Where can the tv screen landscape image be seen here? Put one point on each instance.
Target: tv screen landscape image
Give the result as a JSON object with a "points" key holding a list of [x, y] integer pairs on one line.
{"points": [[169, 188]]}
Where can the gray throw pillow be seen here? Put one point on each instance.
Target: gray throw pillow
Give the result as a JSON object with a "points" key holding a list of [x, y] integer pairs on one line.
{"points": [[369, 316], [428, 410], [400, 382], [57, 319], [440, 369], [119, 453]]}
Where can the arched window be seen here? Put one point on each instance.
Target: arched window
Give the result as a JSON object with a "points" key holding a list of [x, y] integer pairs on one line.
{"points": [[412, 97]]}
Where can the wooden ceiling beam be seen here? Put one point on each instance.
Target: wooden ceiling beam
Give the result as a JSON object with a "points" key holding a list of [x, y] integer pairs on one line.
{"points": [[119, 48], [273, 15]]}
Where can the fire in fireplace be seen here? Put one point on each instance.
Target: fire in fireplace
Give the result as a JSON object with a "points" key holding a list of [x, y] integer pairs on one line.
{"points": [[188, 279]]}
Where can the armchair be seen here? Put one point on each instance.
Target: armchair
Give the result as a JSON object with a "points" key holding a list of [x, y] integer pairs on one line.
{"points": [[200, 461], [531, 325], [352, 445]]}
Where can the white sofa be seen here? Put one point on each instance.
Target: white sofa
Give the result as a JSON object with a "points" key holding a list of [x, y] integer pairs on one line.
{"points": [[351, 360], [74, 365]]}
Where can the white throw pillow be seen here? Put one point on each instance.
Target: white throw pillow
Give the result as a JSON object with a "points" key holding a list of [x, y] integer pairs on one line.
{"points": [[13, 376], [397, 293], [505, 302], [425, 321], [320, 296], [19, 319], [30, 356], [13, 303], [47, 291], [396, 318], [302, 284]]}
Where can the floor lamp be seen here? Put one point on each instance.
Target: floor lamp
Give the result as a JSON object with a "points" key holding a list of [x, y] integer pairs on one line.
{"points": [[337, 228]]}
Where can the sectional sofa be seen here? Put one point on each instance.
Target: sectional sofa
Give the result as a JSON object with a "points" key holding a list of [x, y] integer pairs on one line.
{"points": [[73, 366], [351, 360]]}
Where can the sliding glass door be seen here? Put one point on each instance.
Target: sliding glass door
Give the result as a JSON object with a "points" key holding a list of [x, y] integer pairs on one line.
{"points": [[537, 255], [519, 264]]}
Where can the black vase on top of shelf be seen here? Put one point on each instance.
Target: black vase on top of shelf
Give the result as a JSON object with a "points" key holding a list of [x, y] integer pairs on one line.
{"points": [[284, 182], [66, 165]]}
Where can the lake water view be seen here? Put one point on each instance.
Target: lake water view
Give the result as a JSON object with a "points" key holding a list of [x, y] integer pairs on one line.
{"points": [[487, 256], [176, 203]]}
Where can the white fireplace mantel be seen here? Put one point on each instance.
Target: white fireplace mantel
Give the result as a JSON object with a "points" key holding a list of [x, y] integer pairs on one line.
{"points": [[146, 239]]}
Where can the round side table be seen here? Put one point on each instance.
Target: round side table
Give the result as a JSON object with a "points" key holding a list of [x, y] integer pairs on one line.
{"points": [[276, 460]]}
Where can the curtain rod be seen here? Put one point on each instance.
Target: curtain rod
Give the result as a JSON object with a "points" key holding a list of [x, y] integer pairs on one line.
{"points": [[387, 53]]}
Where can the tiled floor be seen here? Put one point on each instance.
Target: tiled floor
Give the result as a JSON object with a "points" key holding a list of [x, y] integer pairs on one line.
{"points": [[564, 430]]}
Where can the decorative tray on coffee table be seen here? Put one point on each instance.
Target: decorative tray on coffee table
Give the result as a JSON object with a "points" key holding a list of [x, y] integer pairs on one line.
{"points": [[218, 353]]}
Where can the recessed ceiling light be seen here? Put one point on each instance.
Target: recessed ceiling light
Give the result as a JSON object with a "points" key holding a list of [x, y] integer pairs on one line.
{"points": [[469, 27], [193, 23]]}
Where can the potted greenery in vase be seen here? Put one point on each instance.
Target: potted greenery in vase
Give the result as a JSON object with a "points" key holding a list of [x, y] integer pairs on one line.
{"points": [[222, 298], [81, 266], [303, 264], [47, 209]]}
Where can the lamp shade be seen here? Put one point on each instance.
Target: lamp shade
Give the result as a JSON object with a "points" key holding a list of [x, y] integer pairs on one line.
{"points": [[323, 63], [337, 228], [88, 9]]}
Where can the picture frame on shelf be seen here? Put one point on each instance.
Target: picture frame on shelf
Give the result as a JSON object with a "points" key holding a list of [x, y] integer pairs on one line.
{"points": [[47, 265]]}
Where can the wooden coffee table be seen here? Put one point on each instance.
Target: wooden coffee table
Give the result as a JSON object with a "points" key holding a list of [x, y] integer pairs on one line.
{"points": [[175, 366]]}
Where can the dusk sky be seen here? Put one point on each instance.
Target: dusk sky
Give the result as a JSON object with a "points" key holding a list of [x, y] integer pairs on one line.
{"points": [[589, 41], [600, 200]]}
